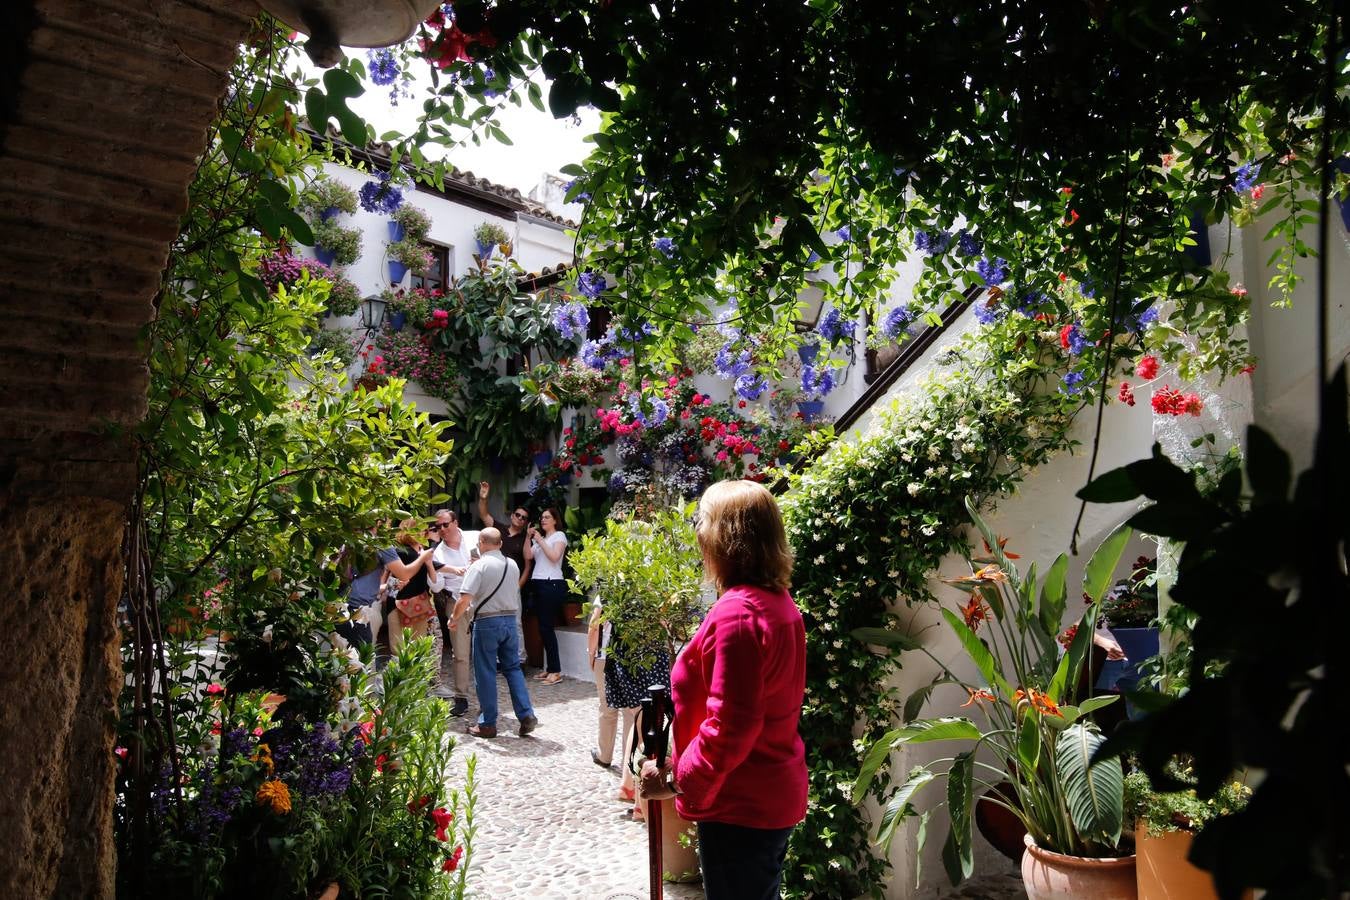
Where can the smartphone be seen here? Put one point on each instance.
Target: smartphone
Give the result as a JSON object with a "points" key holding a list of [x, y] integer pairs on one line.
{"points": [[473, 553]]}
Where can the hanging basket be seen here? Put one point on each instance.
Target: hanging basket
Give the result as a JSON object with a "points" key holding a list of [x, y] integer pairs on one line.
{"points": [[397, 272], [396, 231], [324, 255]]}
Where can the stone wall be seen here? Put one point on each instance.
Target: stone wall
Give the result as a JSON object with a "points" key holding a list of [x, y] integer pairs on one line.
{"points": [[104, 109]]}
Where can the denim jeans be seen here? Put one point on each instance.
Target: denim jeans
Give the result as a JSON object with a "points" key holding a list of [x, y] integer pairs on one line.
{"points": [[494, 644], [549, 596], [741, 863]]}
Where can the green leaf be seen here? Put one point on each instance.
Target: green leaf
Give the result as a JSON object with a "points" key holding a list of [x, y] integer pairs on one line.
{"points": [[316, 110], [958, 853], [1053, 595], [978, 652], [898, 808], [1028, 740], [947, 728], [1066, 673], [916, 700], [1114, 486], [876, 756], [886, 637], [1101, 568], [1095, 792]]}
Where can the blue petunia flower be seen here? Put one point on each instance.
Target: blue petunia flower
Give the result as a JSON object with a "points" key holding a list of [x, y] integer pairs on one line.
{"points": [[834, 327], [816, 383], [591, 284], [383, 66], [488, 76], [968, 244], [993, 272], [665, 245], [571, 320], [660, 410], [379, 195], [932, 244], [896, 321], [1072, 382], [750, 387], [730, 367], [1246, 177], [1075, 340], [845, 234]]}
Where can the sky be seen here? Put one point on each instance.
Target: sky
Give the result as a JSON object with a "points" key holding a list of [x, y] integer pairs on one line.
{"points": [[541, 143]]}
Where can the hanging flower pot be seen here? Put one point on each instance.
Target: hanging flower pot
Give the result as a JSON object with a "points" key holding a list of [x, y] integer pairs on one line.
{"points": [[542, 458], [329, 212], [811, 409], [564, 478], [397, 271], [396, 231], [324, 255], [807, 353], [398, 319]]}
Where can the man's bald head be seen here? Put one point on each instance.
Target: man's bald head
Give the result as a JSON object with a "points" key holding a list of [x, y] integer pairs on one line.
{"points": [[490, 538]]}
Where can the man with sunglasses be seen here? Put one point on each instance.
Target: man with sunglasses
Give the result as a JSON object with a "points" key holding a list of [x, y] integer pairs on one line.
{"points": [[513, 548], [453, 555]]}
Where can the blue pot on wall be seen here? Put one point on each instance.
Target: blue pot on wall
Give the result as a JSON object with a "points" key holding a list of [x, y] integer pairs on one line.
{"points": [[543, 458], [329, 212], [564, 478], [398, 320], [811, 409], [396, 231], [807, 353], [396, 272], [324, 255]]}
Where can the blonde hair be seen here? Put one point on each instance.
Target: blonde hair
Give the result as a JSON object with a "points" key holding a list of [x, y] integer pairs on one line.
{"points": [[406, 536], [740, 532]]}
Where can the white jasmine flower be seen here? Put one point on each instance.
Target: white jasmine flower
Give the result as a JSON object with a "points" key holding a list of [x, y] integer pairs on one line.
{"points": [[914, 487]]}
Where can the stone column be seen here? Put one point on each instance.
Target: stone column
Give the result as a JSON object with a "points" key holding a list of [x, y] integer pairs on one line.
{"points": [[103, 113]]}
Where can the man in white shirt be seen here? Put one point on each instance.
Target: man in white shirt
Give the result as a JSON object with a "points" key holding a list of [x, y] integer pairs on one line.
{"points": [[488, 601], [452, 558]]}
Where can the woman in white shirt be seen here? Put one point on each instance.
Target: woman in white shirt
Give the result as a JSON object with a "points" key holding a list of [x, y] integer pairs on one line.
{"points": [[546, 547]]}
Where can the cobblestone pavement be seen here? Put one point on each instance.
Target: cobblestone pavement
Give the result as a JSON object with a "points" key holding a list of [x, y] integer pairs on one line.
{"points": [[549, 824]]}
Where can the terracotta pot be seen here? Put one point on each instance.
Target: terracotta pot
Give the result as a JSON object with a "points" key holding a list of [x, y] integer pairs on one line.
{"points": [[1054, 876], [1001, 828], [1164, 873], [330, 892], [571, 612]]}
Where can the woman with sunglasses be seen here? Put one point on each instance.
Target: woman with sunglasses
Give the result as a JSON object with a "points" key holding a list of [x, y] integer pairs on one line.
{"points": [[546, 548]]}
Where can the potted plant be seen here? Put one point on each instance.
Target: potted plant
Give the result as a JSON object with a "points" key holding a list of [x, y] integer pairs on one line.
{"points": [[816, 382], [1130, 609], [327, 198], [409, 222], [1041, 741], [344, 297], [1166, 824], [407, 256], [335, 245], [487, 236]]}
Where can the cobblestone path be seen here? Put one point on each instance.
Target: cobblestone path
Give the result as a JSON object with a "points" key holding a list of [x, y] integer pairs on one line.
{"points": [[549, 826]]}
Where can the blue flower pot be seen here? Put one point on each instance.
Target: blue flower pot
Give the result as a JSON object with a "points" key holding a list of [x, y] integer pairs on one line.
{"points": [[324, 255], [543, 458], [564, 478], [1139, 644], [330, 212], [398, 320], [807, 353], [811, 409], [1200, 234], [484, 250], [396, 272], [396, 231]]}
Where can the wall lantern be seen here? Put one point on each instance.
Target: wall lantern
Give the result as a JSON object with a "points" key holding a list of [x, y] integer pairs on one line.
{"points": [[334, 24], [372, 313], [809, 304]]}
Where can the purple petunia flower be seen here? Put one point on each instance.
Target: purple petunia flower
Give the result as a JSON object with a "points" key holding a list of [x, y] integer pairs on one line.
{"points": [[816, 383], [968, 244], [633, 335], [730, 367], [994, 272], [1074, 341], [932, 244], [896, 321], [383, 66], [597, 354], [1072, 382], [1148, 317], [592, 284], [571, 320], [1245, 178], [845, 234], [834, 327], [750, 387], [665, 245], [660, 410], [488, 76], [379, 195]]}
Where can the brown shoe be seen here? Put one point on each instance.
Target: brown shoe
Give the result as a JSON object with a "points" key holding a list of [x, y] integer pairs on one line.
{"points": [[483, 731]]}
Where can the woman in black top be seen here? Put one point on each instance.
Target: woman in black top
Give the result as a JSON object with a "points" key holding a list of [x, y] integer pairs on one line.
{"points": [[411, 607]]}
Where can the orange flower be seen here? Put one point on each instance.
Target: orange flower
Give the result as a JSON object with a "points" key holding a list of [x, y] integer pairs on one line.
{"points": [[977, 696], [275, 794], [1043, 703], [975, 612], [1002, 545], [1019, 697], [989, 574]]}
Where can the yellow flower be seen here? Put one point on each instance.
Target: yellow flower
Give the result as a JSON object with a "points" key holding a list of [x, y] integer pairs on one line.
{"points": [[263, 757], [275, 794]]}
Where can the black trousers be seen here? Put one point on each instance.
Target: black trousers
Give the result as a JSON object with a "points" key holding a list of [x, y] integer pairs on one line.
{"points": [[741, 863]]}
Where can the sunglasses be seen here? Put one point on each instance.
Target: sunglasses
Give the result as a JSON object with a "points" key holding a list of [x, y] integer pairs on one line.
{"points": [[519, 515], [437, 527]]}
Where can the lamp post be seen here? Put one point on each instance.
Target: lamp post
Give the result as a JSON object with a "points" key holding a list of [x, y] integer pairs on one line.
{"points": [[372, 314]]}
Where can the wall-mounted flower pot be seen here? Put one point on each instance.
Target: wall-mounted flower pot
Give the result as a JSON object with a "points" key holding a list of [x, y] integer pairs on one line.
{"points": [[324, 255], [329, 212], [542, 458], [564, 478], [811, 409], [396, 231], [807, 353], [484, 250], [396, 272], [398, 320]]}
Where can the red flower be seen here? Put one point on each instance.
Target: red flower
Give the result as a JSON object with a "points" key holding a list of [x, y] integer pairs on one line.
{"points": [[1258, 192], [1064, 334], [120, 752], [1238, 291], [215, 688], [1171, 402], [1066, 191], [975, 612], [1066, 638], [741, 404], [1126, 394], [1147, 368], [452, 862], [1247, 370], [1073, 217], [784, 445], [442, 817]]}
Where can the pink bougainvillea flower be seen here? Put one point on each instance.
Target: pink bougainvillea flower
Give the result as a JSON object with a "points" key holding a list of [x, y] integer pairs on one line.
{"points": [[215, 688]]}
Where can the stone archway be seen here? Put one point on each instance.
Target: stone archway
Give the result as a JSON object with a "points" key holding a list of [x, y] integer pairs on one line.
{"points": [[104, 109]]}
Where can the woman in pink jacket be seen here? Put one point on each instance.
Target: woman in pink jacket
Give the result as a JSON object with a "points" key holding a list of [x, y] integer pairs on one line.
{"points": [[738, 766]]}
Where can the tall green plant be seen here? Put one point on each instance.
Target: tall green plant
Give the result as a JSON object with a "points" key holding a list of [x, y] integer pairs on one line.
{"points": [[647, 574], [1034, 727]]}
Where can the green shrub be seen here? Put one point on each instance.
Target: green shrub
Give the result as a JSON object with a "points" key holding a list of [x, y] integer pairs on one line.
{"points": [[325, 193], [416, 223], [343, 243]]}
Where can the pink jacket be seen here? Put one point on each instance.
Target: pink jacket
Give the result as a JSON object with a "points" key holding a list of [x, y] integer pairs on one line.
{"points": [[738, 689]]}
